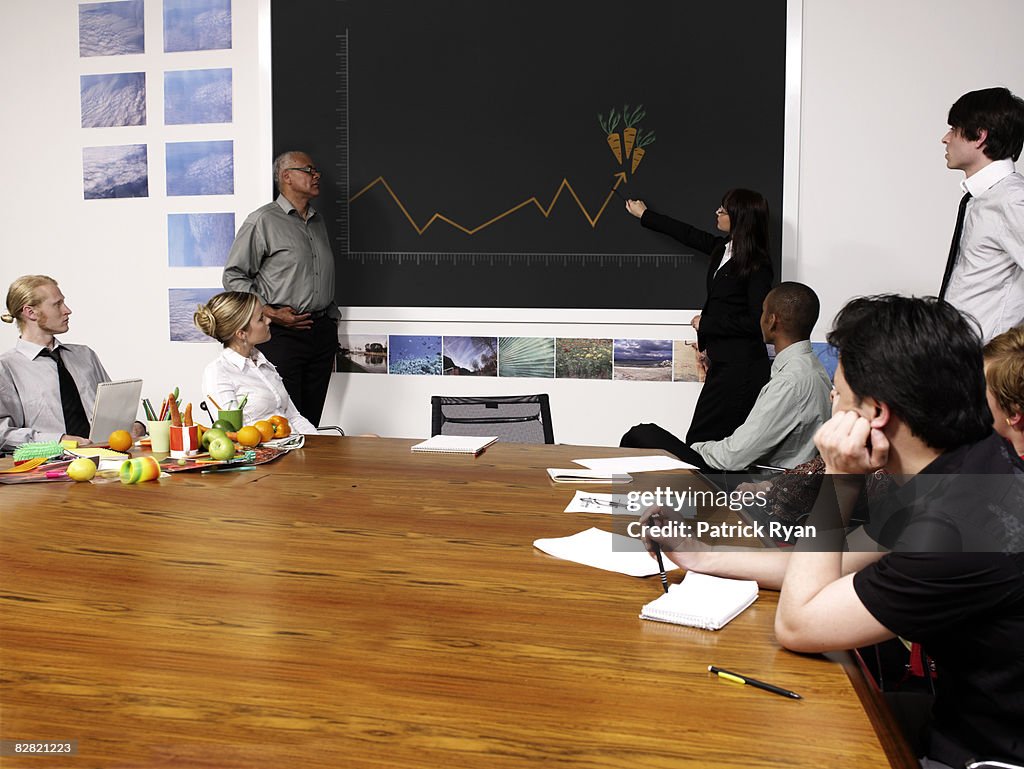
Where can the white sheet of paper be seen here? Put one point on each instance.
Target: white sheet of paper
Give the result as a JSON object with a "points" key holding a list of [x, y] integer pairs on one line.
{"points": [[592, 502], [594, 547], [616, 465]]}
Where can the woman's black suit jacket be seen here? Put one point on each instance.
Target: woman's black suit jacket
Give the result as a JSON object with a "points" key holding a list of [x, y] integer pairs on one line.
{"points": [[730, 328], [729, 333]]}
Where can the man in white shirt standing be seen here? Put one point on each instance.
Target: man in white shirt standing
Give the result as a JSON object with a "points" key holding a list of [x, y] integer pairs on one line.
{"points": [[984, 274]]}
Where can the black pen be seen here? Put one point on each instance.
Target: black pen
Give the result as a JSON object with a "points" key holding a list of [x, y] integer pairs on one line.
{"points": [[741, 679], [661, 565]]}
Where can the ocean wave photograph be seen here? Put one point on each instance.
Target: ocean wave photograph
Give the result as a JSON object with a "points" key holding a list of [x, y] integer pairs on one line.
{"points": [[182, 303], [583, 358], [119, 171], [643, 360], [200, 168], [199, 240], [196, 25], [524, 356], [197, 96], [362, 353], [111, 29], [114, 100], [414, 355], [470, 356]]}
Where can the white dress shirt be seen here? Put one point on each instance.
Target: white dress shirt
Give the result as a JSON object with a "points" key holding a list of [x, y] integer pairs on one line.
{"points": [[231, 377], [988, 278], [30, 405]]}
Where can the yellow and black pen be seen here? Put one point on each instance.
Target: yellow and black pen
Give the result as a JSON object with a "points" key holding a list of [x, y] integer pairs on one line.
{"points": [[741, 679]]}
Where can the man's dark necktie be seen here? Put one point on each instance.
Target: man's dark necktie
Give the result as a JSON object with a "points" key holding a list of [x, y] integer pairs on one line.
{"points": [[75, 422], [954, 247]]}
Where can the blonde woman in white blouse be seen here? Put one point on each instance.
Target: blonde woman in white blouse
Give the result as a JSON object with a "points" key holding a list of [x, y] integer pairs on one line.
{"points": [[236, 320]]}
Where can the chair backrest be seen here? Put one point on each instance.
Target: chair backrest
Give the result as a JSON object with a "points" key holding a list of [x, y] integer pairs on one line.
{"points": [[513, 418]]}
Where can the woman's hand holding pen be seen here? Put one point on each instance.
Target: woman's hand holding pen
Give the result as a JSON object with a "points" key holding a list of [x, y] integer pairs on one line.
{"points": [[636, 207], [684, 551]]}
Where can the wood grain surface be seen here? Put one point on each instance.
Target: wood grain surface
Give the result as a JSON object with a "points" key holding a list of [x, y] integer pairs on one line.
{"points": [[356, 605]]}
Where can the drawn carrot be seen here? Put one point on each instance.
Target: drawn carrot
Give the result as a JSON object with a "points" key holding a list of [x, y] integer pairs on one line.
{"points": [[632, 126], [642, 140], [611, 129], [187, 418]]}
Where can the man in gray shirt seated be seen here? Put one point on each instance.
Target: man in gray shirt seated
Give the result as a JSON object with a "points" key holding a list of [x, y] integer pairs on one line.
{"points": [[46, 388], [789, 409]]}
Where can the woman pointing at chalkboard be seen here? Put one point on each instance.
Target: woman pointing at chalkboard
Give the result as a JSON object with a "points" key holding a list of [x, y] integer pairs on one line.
{"points": [[728, 327]]}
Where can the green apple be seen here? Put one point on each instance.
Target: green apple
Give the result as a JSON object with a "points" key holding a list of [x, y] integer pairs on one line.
{"points": [[222, 448], [223, 424], [211, 434]]}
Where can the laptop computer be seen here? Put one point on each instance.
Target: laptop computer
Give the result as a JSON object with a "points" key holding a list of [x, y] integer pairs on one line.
{"points": [[115, 408]]}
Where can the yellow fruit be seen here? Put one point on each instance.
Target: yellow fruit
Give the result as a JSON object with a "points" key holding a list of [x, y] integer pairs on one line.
{"points": [[249, 436], [82, 469], [120, 440], [266, 429], [281, 427]]}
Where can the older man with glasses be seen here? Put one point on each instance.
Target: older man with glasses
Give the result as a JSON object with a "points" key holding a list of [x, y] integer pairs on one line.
{"points": [[282, 253]]}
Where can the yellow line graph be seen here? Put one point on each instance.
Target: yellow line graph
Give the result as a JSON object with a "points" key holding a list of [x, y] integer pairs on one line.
{"points": [[620, 178]]}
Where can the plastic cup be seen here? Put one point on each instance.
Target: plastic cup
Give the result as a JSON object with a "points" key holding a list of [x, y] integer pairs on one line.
{"points": [[160, 435], [184, 441], [233, 416]]}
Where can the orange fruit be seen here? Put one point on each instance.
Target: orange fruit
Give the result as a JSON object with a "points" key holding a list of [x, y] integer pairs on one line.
{"points": [[249, 436], [266, 429], [120, 440]]}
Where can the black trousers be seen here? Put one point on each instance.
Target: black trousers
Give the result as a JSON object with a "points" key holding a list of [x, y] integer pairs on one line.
{"points": [[729, 392], [651, 436], [305, 361]]}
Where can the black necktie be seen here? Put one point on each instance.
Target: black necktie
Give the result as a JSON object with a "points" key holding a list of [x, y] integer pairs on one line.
{"points": [[75, 422], [954, 247]]}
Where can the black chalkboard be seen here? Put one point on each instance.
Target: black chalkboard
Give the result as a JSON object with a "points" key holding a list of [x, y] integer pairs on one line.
{"points": [[464, 162]]}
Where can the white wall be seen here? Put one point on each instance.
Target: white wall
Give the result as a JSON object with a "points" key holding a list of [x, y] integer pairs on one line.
{"points": [[877, 203], [875, 213]]}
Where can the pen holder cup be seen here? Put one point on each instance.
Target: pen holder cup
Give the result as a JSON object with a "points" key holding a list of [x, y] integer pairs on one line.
{"points": [[184, 441], [234, 416], [159, 435]]}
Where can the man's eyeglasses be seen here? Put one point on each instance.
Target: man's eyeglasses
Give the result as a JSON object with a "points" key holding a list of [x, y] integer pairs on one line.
{"points": [[311, 170]]}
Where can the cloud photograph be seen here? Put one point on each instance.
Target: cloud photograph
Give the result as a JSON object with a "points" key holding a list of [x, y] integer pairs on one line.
{"points": [[199, 240], [182, 303], [197, 96], [113, 100], [119, 171], [111, 29], [200, 168], [196, 25]]}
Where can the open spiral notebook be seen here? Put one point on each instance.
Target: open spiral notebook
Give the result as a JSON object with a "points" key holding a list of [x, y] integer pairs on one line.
{"points": [[702, 601]]}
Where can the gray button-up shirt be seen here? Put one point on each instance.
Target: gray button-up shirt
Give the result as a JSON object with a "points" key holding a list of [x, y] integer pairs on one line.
{"points": [[30, 407], [283, 259], [781, 426]]}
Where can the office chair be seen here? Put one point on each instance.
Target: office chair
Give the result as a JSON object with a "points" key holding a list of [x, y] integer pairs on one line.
{"points": [[513, 418]]}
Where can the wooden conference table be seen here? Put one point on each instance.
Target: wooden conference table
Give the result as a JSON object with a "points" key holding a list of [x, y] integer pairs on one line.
{"points": [[356, 605]]}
